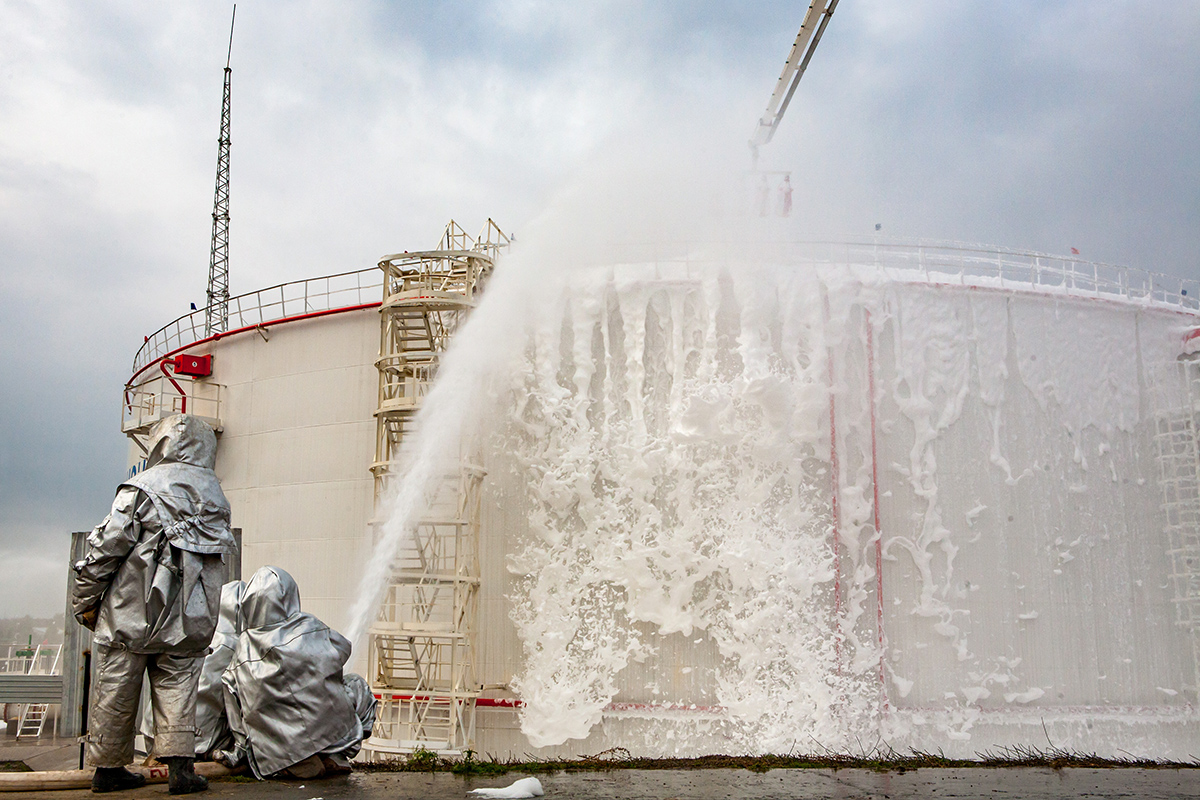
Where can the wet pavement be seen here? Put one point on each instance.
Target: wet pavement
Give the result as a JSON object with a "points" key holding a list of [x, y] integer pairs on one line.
{"points": [[816, 784], [42, 753]]}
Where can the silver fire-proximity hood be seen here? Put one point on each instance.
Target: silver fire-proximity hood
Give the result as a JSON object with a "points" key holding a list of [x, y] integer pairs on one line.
{"points": [[285, 697]]}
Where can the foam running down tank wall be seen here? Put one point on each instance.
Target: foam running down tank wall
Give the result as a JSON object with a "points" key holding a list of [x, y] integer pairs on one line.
{"points": [[802, 501]]}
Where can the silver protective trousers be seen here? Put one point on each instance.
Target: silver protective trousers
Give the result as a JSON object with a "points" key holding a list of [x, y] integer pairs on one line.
{"points": [[116, 689]]}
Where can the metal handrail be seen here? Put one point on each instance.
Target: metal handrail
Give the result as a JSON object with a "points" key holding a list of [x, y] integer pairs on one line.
{"points": [[966, 264], [344, 289], [981, 266], [930, 261]]}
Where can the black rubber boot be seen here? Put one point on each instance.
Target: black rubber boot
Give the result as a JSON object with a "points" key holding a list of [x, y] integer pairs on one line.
{"points": [[183, 778], [114, 779]]}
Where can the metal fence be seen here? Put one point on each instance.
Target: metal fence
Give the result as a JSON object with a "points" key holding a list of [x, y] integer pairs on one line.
{"points": [[343, 290], [157, 398], [930, 261], [27, 658], [933, 262]]}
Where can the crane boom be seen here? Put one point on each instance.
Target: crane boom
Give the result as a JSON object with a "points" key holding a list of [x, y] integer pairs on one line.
{"points": [[815, 20]]}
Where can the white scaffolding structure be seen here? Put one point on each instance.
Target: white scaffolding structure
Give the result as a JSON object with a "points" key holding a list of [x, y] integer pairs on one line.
{"points": [[422, 645], [31, 659], [1177, 445]]}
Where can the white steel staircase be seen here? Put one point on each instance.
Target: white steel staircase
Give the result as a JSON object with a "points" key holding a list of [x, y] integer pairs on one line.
{"points": [[422, 644]]}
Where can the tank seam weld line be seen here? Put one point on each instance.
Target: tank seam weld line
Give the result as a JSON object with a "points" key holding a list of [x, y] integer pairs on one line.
{"points": [[260, 487], [835, 470], [875, 492], [270, 431]]}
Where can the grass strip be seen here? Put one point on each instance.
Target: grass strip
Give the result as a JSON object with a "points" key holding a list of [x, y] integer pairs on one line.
{"points": [[880, 761]]}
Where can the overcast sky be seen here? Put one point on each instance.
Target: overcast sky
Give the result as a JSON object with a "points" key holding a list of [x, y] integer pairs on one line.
{"points": [[359, 128]]}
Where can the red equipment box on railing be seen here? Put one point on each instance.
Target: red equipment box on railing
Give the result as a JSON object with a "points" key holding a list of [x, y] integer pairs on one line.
{"points": [[194, 366]]}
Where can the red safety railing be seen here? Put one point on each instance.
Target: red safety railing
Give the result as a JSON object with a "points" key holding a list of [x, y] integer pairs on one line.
{"points": [[295, 300]]}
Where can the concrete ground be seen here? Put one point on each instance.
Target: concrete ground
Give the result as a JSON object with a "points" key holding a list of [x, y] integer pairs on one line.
{"points": [[43, 753], [1014, 782]]}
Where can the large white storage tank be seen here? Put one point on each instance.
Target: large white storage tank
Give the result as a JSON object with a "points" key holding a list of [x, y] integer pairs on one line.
{"points": [[293, 390], [688, 461], [790, 497]]}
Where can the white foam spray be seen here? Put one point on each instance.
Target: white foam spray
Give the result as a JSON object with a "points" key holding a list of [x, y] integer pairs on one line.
{"points": [[487, 339], [666, 412], [671, 424]]}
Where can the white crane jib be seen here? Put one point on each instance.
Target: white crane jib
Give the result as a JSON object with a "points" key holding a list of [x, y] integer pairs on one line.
{"points": [[815, 20]]}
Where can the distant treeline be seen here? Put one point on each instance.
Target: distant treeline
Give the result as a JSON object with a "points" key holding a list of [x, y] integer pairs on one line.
{"points": [[18, 630]]}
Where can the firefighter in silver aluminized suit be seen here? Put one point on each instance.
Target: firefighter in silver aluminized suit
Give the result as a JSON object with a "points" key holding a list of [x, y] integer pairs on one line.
{"points": [[150, 587], [212, 726], [292, 710]]}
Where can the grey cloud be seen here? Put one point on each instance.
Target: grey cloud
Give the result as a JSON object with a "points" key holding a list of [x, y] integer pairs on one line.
{"points": [[35, 582], [1030, 125], [360, 127]]}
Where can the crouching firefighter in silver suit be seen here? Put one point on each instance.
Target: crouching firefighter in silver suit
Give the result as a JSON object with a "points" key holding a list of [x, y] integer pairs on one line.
{"points": [[149, 586], [292, 710]]}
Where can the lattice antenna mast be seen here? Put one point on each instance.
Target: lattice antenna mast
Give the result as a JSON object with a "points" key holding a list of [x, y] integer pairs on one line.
{"points": [[216, 314]]}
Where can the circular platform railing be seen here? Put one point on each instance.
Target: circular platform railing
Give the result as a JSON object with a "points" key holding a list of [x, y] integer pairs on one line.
{"points": [[343, 290], [932, 261]]}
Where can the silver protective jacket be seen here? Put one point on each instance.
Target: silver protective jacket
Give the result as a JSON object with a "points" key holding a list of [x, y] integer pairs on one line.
{"points": [[365, 707], [284, 693], [212, 727], [150, 579]]}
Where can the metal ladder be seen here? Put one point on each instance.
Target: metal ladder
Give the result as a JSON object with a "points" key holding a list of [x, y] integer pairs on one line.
{"points": [[421, 651], [33, 715]]}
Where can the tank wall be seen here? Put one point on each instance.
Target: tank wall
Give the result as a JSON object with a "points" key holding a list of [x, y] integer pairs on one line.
{"points": [[1025, 571], [1018, 590], [660, 491], [294, 457]]}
